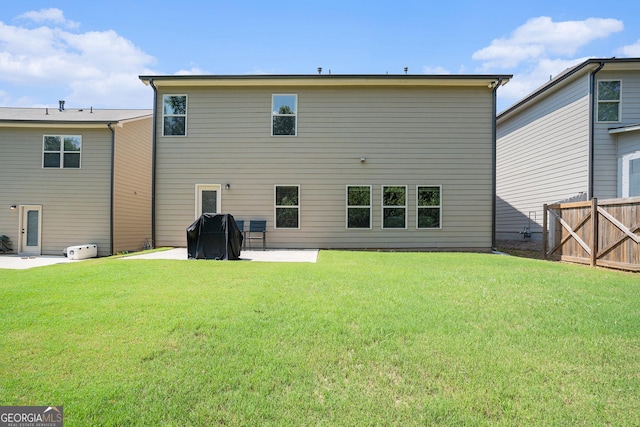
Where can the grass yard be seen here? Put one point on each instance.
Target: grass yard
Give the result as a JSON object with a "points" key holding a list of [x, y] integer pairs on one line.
{"points": [[359, 338]]}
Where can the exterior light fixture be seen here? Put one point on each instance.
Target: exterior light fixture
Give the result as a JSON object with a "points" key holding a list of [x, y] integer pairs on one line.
{"points": [[227, 186], [363, 159], [13, 207]]}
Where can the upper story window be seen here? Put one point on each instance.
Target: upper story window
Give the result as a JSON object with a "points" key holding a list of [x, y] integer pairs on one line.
{"points": [[429, 205], [284, 113], [287, 205], [61, 151], [394, 206], [358, 206], [174, 115], [609, 100]]}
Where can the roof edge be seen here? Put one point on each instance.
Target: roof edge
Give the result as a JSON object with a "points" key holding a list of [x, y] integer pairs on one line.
{"points": [[320, 79], [595, 62]]}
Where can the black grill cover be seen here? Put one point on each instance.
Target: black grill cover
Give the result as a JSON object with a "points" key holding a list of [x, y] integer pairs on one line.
{"points": [[214, 236]]}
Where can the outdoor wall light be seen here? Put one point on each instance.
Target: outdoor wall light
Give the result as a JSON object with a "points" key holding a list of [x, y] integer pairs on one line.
{"points": [[363, 159], [13, 207], [227, 186]]}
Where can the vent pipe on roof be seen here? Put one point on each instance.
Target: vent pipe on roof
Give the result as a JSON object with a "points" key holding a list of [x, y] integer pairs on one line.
{"points": [[61, 105], [406, 70], [319, 70]]}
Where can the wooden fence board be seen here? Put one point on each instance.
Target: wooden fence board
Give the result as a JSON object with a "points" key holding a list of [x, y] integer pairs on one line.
{"points": [[599, 233]]}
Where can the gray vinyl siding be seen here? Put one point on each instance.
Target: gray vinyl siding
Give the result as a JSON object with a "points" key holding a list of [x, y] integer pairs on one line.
{"points": [[542, 157], [132, 187], [75, 202], [606, 170], [435, 136]]}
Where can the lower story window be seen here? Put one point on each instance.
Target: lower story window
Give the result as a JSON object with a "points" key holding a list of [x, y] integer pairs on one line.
{"points": [[358, 206], [394, 206], [429, 204], [287, 206]]}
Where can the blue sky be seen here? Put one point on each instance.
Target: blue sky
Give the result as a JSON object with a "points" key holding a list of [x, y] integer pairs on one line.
{"points": [[91, 53]]}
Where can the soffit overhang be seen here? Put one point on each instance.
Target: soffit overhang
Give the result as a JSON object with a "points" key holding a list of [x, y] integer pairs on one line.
{"points": [[331, 80]]}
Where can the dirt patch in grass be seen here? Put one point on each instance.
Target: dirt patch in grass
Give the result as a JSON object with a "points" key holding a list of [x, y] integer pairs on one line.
{"points": [[520, 248]]}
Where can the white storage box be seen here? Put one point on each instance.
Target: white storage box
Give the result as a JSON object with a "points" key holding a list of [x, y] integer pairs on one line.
{"points": [[82, 251]]}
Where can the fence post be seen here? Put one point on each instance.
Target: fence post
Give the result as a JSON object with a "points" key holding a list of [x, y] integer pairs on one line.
{"points": [[594, 231], [545, 232]]}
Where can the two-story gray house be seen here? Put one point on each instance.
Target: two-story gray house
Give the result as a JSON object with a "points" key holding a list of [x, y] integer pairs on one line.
{"points": [[575, 138], [329, 161], [75, 176]]}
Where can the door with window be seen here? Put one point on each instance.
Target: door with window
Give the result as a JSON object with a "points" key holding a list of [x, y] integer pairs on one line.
{"points": [[207, 199], [631, 175], [31, 230]]}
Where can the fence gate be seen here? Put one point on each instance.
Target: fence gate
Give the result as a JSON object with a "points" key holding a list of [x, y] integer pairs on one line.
{"points": [[599, 233]]}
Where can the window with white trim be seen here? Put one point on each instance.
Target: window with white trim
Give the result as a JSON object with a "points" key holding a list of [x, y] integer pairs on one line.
{"points": [[609, 100], [287, 206], [174, 115], [359, 206], [631, 175], [284, 115], [429, 206], [394, 206], [61, 151]]}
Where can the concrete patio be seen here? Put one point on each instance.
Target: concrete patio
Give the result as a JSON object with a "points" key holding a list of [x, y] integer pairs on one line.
{"points": [[21, 262]]}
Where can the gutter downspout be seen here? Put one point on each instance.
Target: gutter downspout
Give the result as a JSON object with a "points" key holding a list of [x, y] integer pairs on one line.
{"points": [[113, 177], [592, 120], [154, 133], [494, 149]]}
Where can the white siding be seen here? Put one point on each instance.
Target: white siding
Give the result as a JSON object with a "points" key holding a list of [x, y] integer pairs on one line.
{"points": [[75, 202], [542, 157], [436, 136]]}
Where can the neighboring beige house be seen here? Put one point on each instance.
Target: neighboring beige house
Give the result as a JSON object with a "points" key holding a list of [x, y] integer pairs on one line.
{"points": [[575, 138], [75, 176], [329, 161]]}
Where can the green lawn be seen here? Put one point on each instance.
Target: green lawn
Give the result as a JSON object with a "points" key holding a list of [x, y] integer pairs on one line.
{"points": [[359, 338]]}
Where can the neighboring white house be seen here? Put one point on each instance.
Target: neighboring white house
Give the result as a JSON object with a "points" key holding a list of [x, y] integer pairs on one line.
{"points": [[329, 161], [75, 176], [577, 137]]}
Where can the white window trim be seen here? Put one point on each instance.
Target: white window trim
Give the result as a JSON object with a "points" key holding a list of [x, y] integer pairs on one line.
{"points": [[61, 152], [428, 207], [626, 161], [295, 115], [347, 206], [275, 207], [383, 206], [598, 101], [176, 115], [205, 187]]}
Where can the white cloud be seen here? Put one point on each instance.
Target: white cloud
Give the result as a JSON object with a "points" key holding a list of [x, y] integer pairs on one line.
{"points": [[193, 71], [540, 49], [90, 68], [541, 37], [435, 70], [53, 15], [524, 83], [632, 50], [116, 90]]}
